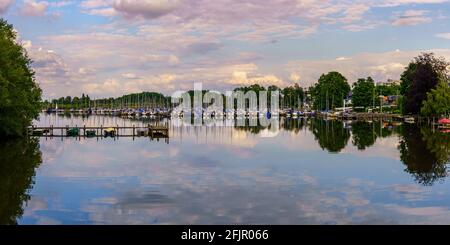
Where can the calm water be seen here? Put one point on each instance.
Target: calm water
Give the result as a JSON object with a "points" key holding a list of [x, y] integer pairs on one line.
{"points": [[311, 172]]}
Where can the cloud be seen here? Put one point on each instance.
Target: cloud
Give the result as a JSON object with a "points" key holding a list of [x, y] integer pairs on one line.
{"points": [[110, 86], [203, 47], [89, 4], [245, 75], [381, 66], [129, 75], [4, 5], [148, 9], [33, 8], [394, 3], [294, 77], [107, 12], [444, 35], [60, 4], [411, 17]]}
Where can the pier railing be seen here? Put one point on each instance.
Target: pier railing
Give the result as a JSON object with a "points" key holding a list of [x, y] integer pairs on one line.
{"points": [[153, 131]]}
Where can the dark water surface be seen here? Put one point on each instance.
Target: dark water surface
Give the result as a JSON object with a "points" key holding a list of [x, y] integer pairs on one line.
{"points": [[311, 172]]}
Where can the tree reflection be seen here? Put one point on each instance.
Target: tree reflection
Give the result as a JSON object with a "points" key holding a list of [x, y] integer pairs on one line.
{"points": [[424, 153], [18, 161], [363, 134], [293, 125], [331, 135]]}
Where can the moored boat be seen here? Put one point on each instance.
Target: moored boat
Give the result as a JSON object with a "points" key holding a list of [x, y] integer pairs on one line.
{"points": [[90, 133], [73, 132], [109, 132], [409, 120]]}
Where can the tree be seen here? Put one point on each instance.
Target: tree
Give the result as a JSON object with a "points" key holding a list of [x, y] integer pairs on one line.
{"points": [[19, 159], [421, 75], [363, 135], [293, 96], [330, 91], [424, 154], [438, 101], [363, 92], [386, 90], [331, 135], [20, 95]]}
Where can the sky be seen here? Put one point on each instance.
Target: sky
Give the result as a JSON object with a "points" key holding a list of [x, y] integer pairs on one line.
{"points": [[111, 47]]}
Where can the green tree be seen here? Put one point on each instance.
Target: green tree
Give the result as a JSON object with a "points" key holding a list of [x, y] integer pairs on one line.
{"points": [[421, 75], [438, 101], [330, 91], [293, 96], [20, 95], [363, 92], [363, 134], [331, 135], [386, 90], [424, 153], [19, 159]]}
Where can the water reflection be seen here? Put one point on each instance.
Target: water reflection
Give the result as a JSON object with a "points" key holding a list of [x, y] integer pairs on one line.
{"points": [[311, 172], [425, 153], [330, 135], [18, 161]]}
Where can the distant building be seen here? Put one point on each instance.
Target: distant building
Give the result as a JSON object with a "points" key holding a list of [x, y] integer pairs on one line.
{"points": [[389, 82]]}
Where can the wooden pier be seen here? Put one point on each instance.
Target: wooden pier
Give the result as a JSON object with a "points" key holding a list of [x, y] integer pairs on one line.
{"points": [[153, 131]]}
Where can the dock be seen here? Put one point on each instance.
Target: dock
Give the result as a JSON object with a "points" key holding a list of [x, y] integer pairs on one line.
{"points": [[157, 131]]}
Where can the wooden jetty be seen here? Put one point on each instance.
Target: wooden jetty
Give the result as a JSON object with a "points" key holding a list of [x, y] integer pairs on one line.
{"points": [[154, 131]]}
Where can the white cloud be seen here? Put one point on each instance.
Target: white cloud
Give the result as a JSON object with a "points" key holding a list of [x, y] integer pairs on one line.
{"points": [[411, 17], [381, 66], [245, 74], [294, 77], [444, 35], [89, 4], [107, 12], [62, 3], [129, 75], [4, 5], [342, 58], [110, 86], [33, 8], [149, 9]]}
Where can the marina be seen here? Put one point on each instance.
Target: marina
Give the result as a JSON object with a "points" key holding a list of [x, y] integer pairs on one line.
{"points": [[154, 131], [332, 171]]}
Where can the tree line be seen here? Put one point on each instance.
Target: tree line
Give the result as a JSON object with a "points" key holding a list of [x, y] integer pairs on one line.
{"points": [[424, 89]]}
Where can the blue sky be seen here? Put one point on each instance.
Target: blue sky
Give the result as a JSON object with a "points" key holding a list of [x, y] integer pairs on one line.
{"points": [[111, 47]]}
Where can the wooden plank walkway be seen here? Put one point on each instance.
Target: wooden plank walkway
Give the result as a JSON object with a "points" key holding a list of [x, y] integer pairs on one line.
{"points": [[154, 131]]}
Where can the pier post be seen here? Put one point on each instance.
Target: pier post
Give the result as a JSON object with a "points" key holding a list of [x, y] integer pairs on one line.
{"points": [[101, 130], [84, 130], [133, 131]]}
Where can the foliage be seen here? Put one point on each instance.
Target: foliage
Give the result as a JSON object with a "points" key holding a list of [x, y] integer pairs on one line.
{"points": [[18, 160], [143, 99], [386, 90], [421, 155], [438, 101], [331, 135], [20, 95], [363, 92], [330, 91], [293, 96], [363, 134], [421, 75]]}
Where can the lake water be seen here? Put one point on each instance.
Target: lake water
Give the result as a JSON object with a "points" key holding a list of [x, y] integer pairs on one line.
{"points": [[311, 172]]}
